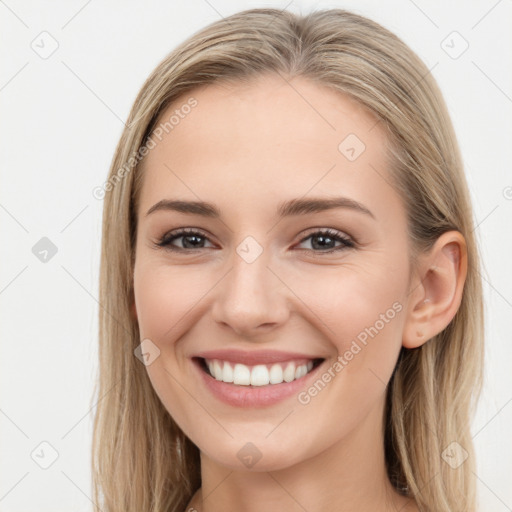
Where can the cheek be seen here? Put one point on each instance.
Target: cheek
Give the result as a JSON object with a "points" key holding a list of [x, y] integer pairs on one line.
{"points": [[360, 315], [164, 296], [351, 298], [360, 312], [365, 313], [167, 301]]}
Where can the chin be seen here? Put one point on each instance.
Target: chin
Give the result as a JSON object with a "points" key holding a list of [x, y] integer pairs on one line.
{"points": [[258, 456]]}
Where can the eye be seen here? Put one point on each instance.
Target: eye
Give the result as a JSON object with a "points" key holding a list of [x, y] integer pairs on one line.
{"points": [[191, 239], [324, 241]]}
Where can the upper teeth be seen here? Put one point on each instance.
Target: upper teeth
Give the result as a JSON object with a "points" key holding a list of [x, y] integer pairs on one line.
{"points": [[259, 375]]}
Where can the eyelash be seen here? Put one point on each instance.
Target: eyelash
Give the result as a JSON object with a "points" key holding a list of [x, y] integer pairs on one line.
{"points": [[166, 240]]}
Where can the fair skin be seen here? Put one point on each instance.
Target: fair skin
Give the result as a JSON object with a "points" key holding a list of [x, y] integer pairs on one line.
{"points": [[246, 148]]}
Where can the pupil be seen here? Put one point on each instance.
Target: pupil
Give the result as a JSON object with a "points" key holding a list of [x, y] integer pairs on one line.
{"points": [[322, 238], [186, 239]]}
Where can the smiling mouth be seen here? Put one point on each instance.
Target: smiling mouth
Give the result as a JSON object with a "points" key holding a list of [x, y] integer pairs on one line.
{"points": [[258, 375]]}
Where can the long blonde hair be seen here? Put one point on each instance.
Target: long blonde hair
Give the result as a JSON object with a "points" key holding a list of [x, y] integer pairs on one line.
{"points": [[142, 461]]}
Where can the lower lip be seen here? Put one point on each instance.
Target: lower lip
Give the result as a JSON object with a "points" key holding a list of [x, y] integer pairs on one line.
{"points": [[254, 396]]}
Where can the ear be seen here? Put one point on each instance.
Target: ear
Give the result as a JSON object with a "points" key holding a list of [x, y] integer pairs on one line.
{"points": [[436, 289]]}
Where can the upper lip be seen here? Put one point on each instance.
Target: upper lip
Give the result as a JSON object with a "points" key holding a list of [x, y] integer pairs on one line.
{"points": [[254, 357]]}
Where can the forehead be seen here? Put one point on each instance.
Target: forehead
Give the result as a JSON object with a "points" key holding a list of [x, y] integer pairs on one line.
{"points": [[270, 139]]}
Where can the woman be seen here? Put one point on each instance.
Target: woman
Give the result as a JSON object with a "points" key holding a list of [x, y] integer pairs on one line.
{"points": [[291, 305]]}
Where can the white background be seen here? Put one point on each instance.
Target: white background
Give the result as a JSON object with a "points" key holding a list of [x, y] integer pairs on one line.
{"points": [[61, 118]]}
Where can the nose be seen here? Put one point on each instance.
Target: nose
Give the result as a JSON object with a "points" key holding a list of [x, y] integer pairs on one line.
{"points": [[252, 298]]}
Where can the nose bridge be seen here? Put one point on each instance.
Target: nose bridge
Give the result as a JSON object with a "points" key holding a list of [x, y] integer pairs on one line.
{"points": [[250, 270], [251, 295]]}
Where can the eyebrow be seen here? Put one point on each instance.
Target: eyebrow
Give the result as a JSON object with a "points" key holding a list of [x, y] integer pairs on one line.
{"points": [[286, 209]]}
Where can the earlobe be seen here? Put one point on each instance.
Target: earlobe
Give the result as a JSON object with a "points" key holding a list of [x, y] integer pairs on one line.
{"points": [[437, 290]]}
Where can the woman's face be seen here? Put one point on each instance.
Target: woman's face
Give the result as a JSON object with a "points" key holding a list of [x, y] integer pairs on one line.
{"points": [[260, 282]]}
